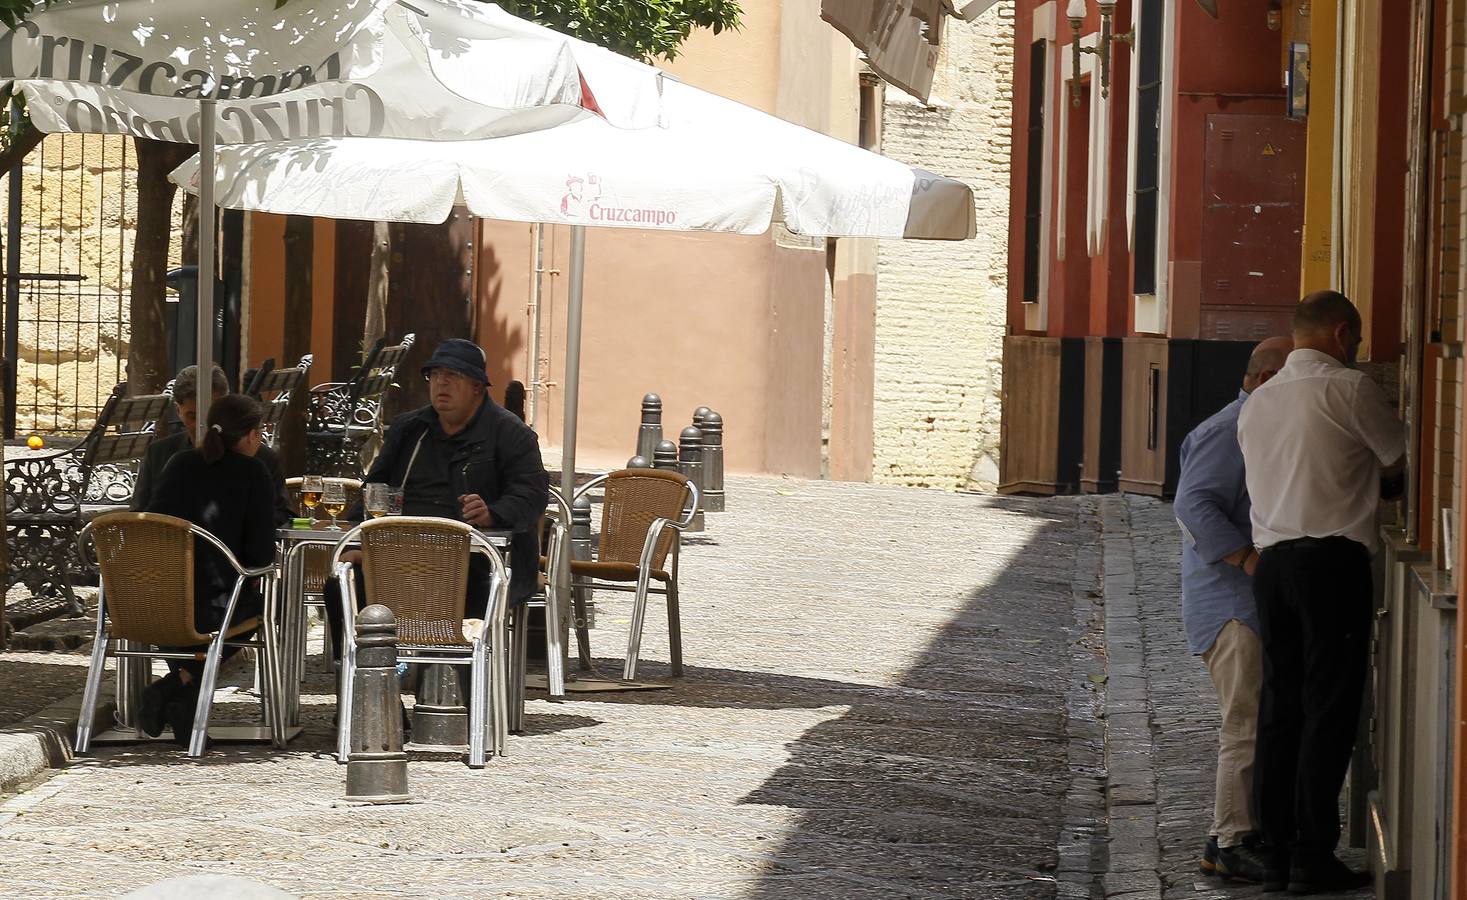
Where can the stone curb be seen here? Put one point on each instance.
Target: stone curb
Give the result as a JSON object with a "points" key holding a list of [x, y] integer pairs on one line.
{"points": [[1133, 869], [44, 741]]}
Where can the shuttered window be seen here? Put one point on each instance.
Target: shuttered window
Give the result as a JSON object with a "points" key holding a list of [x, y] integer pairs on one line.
{"points": [[1148, 142], [1034, 174]]}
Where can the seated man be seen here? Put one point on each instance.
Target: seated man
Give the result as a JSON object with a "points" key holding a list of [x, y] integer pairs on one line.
{"points": [[463, 457], [186, 402]]}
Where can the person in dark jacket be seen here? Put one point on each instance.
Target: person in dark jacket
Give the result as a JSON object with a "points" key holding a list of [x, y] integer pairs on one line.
{"points": [[224, 489], [464, 457], [163, 449]]}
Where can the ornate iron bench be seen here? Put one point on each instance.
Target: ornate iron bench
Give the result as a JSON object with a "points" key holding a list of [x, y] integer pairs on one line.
{"points": [[344, 422], [48, 497], [274, 388]]}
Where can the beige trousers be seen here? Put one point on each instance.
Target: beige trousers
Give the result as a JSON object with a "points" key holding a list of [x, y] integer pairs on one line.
{"points": [[1235, 662]]}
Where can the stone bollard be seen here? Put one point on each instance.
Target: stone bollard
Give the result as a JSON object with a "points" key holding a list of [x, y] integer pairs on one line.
{"points": [[651, 431], [712, 486], [665, 456], [580, 547], [440, 718], [376, 769], [638, 462], [690, 464]]}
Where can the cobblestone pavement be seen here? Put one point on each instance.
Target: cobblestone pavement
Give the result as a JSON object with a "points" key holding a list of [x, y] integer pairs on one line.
{"points": [[29, 682], [875, 705], [1182, 702]]}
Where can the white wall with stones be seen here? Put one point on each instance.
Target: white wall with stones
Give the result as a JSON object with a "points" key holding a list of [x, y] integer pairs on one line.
{"points": [[940, 311]]}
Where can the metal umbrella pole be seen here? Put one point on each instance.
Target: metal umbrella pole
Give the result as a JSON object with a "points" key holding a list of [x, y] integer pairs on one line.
{"points": [[572, 399], [205, 317]]}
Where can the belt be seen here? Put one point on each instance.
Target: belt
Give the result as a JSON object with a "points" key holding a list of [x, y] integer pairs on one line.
{"points": [[1305, 543]]}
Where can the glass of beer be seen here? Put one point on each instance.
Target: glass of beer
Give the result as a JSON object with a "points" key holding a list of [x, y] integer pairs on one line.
{"points": [[311, 487], [375, 499], [333, 500]]}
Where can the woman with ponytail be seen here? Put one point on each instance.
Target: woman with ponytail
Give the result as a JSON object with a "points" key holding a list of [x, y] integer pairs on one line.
{"points": [[221, 487]]}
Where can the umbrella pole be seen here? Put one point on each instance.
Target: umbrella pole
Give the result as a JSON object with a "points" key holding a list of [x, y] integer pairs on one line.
{"points": [[572, 361], [204, 335]]}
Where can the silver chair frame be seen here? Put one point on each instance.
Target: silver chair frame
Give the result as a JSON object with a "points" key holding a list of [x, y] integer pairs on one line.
{"points": [[486, 660], [553, 603], [217, 642], [643, 585]]}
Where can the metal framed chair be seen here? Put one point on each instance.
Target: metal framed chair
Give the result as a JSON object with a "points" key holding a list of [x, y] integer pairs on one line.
{"points": [[551, 597], [274, 388], [643, 515], [418, 567], [344, 421], [147, 596], [45, 493], [316, 566]]}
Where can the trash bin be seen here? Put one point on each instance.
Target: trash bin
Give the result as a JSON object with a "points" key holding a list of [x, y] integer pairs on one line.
{"points": [[181, 317]]}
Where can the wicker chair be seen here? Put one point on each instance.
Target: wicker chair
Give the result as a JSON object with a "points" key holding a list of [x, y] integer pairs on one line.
{"points": [[316, 564], [418, 567], [147, 596], [551, 597], [643, 516]]}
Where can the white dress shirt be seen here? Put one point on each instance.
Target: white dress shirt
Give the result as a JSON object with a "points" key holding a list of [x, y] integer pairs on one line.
{"points": [[1314, 439]]}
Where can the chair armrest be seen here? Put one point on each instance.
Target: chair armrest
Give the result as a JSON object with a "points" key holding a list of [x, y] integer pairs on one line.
{"points": [[692, 509], [594, 482]]}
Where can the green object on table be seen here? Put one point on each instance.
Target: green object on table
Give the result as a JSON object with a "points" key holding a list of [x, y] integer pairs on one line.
{"points": [[301, 523]]}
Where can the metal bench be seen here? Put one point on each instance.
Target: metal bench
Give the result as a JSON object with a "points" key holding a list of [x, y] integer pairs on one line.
{"points": [[48, 497], [344, 422]]}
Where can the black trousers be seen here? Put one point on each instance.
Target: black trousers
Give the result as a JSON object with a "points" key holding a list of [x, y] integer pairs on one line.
{"points": [[1315, 598], [209, 617]]}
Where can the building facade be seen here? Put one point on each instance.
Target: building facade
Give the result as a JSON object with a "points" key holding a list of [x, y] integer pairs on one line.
{"points": [[1164, 222]]}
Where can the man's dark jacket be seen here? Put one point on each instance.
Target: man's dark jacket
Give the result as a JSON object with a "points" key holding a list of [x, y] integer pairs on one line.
{"points": [[150, 474], [500, 457]]}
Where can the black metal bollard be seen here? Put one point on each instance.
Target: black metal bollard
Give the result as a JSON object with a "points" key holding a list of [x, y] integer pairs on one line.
{"points": [[376, 769], [700, 414], [712, 462], [638, 462], [440, 717], [665, 456], [690, 464], [651, 431], [580, 547]]}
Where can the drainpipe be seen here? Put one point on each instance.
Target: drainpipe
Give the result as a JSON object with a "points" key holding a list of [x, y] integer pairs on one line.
{"points": [[532, 371]]}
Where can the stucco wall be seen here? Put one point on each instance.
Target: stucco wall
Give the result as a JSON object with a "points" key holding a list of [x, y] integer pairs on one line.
{"points": [[940, 310]]}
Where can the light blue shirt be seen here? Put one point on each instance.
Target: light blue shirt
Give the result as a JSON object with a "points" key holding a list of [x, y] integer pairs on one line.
{"points": [[1212, 509]]}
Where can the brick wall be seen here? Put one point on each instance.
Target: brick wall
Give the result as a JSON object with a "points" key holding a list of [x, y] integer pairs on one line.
{"points": [[940, 310]]}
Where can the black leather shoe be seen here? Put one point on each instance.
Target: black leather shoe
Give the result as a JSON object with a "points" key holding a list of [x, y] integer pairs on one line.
{"points": [[1325, 876], [153, 712], [1208, 864], [1253, 864], [181, 711]]}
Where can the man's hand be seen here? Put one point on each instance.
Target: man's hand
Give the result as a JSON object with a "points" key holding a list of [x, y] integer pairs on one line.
{"points": [[1250, 564], [1245, 558], [476, 511], [351, 556]]}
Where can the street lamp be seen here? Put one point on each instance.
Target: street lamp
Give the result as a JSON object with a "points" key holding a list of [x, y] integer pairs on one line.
{"points": [[1076, 14]]}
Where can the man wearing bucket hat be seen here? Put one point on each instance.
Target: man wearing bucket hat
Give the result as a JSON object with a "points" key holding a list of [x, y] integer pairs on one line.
{"points": [[465, 457]]}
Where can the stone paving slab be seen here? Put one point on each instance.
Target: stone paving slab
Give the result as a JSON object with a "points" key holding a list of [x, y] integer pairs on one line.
{"points": [[877, 703]]}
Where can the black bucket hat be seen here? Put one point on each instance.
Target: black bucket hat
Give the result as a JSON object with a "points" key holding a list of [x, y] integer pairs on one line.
{"points": [[460, 355]]}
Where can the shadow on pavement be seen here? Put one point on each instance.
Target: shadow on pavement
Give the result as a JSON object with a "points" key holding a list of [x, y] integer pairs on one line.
{"points": [[953, 789]]}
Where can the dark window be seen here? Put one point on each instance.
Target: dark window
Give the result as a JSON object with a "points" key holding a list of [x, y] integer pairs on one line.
{"points": [[1034, 175], [866, 129], [1153, 413], [1148, 142]]}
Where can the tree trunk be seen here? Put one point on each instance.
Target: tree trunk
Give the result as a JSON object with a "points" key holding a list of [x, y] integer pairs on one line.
{"points": [[147, 356], [300, 248], [377, 278]]}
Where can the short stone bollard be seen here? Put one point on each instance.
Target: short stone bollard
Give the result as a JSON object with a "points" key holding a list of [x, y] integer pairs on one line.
{"points": [[712, 486], [665, 456], [580, 546], [690, 464], [376, 769], [638, 462], [651, 431]]}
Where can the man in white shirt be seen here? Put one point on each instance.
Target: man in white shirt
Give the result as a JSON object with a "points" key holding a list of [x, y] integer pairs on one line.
{"points": [[1315, 441]]}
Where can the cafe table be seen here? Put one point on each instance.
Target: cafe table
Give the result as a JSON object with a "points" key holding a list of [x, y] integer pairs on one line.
{"points": [[289, 618]]}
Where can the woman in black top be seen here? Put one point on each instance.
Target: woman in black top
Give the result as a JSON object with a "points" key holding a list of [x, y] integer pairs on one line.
{"points": [[224, 489]]}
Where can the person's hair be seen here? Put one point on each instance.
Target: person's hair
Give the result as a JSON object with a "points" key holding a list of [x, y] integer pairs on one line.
{"points": [[1322, 311], [1265, 358], [230, 418], [186, 384]]}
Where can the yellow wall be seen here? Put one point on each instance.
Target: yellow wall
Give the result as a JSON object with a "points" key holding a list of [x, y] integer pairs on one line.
{"points": [[1319, 193]]}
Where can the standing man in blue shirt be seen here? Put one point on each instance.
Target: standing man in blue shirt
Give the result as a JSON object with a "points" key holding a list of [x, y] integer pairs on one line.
{"points": [[1218, 608]]}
